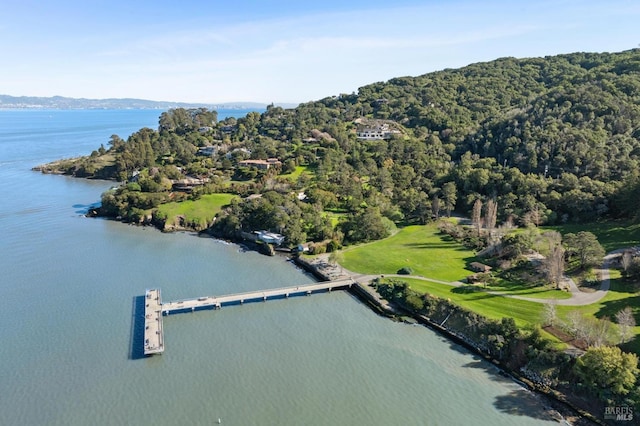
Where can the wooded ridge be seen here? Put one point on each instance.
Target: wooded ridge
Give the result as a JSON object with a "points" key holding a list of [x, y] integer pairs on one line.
{"points": [[549, 140]]}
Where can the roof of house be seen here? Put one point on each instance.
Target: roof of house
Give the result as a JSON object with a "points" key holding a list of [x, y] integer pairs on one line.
{"points": [[480, 266]]}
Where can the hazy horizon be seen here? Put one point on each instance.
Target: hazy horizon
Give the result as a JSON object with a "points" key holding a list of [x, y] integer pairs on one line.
{"points": [[283, 51]]}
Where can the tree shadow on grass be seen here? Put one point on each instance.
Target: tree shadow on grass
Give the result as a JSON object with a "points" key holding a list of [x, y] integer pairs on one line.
{"points": [[434, 246], [477, 294], [621, 285], [611, 308], [466, 289], [632, 299]]}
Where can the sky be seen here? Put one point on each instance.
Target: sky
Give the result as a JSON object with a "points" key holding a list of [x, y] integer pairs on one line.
{"points": [[281, 51]]}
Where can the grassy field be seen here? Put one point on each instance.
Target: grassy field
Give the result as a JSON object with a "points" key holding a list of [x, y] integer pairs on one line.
{"points": [[334, 217], [525, 281], [612, 235], [432, 255], [489, 305], [537, 292], [422, 248], [293, 176], [202, 210]]}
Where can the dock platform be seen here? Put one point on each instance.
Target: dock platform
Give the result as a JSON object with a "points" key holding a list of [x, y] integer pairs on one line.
{"points": [[155, 309], [153, 333]]}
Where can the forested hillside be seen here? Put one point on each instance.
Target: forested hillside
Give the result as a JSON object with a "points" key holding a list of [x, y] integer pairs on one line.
{"points": [[549, 140]]}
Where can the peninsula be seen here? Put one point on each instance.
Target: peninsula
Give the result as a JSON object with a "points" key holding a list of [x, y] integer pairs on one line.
{"points": [[61, 102], [487, 197]]}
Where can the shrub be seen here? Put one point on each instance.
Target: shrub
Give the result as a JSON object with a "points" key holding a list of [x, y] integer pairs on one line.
{"points": [[332, 246], [405, 271]]}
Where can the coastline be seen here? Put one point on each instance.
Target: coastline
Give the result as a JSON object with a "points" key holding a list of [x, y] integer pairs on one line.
{"points": [[556, 404]]}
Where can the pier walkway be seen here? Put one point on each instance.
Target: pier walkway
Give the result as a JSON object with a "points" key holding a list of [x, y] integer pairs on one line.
{"points": [[215, 302], [155, 309], [153, 334]]}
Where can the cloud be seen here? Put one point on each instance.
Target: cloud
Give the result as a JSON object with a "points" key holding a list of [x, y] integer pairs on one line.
{"points": [[305, 55]]}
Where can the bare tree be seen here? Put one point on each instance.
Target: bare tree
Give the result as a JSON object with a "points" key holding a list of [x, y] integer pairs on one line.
{"points": [[626, 260], [574, 324], [476, 215], [593, 331], [626, 322], [535, 215], [491, 214], [546, 241], [549, 314], [554, 265], [600, 332]]}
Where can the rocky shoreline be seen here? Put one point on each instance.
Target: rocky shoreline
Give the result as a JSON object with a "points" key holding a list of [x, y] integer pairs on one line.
{"points": [[557, 406]]}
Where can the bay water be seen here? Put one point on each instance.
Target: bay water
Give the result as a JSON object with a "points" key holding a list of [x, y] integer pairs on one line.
{"points": [[68, 292]]}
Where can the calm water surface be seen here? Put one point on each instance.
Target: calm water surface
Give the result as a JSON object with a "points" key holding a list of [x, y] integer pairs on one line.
{"points": [[68, 287]]}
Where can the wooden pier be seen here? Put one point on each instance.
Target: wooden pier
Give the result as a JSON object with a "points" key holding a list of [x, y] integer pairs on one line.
{"points": [[155, 309], [153, 333]]}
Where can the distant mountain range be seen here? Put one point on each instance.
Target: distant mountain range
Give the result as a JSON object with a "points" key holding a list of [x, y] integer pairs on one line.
{"points": [[60, 102]]}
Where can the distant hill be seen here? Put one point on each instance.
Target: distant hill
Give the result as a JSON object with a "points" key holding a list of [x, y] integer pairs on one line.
{"points": [[549, 140], [60, 102]]}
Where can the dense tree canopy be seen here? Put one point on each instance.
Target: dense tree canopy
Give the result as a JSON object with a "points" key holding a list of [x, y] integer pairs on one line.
{"points": [[548, 140], [608, 369]]}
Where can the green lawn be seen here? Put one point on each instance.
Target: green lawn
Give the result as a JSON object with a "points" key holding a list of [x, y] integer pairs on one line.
{"points": [[422, 248], [489, 305], [612, 234], [334, 217], [293, 176], [435, 256], [201, 210], [538, 292], [524, 281]]}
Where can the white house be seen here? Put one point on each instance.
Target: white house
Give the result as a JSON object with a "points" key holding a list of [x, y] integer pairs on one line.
{"points": [[375, 131], [270, 237]]}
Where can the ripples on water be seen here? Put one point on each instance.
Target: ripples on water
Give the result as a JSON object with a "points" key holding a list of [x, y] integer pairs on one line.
{"points": [[67, 296]]}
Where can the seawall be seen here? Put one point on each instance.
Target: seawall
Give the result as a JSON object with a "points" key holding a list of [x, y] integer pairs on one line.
{"points": [[559, 402]]}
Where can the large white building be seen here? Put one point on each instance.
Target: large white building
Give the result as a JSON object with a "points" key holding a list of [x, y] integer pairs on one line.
{"points": [[375, 131]]}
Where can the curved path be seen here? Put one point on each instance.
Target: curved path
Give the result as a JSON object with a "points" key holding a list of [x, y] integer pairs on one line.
{"points": [[578, 298]]}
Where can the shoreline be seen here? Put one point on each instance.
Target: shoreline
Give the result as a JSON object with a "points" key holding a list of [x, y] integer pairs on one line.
{"points": [[556, 404]]}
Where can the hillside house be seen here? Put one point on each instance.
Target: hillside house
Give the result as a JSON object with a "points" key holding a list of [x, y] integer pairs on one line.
{"points": [[207, 151], [264, 236], [260, 164], [187, 184], [375, 130]]}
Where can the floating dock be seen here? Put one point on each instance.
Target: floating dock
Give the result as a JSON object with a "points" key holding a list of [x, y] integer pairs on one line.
{"points": [[155, 309]]}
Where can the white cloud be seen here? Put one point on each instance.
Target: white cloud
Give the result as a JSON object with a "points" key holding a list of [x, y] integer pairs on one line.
{"points": [[299, 58]]}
